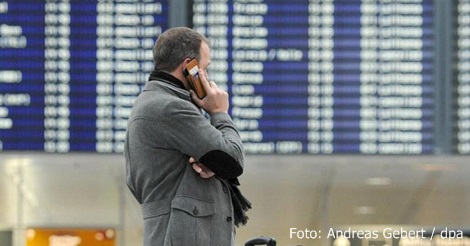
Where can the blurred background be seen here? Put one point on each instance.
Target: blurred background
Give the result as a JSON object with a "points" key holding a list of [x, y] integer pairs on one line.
{"points": [[355, 115]]}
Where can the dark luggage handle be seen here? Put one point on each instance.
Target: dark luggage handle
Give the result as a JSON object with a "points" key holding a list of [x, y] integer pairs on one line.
{"points": [[261, 241]]}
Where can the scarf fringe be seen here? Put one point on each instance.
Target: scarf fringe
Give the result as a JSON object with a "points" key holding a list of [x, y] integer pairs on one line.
{"points": [[240, 205]]}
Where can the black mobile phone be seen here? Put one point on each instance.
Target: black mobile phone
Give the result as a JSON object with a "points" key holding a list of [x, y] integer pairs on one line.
{"points": [[191, 72]]}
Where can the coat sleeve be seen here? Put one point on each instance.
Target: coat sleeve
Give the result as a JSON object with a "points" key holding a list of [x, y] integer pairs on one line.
{"points": [[215, 143]]}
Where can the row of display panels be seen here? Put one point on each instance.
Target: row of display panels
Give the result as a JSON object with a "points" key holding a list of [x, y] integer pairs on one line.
{"points": [[318, 77]]}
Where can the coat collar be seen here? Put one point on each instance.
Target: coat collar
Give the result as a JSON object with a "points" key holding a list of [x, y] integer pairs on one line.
{"points": [[159, 80], [166, 77]]}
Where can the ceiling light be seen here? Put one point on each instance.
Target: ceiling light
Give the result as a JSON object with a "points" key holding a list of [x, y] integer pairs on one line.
{"points": [[379, 181], [364, 210]]}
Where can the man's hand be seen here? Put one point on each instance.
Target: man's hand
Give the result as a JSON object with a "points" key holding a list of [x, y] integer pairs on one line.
{"points": [[203, 171], [216, 99]]}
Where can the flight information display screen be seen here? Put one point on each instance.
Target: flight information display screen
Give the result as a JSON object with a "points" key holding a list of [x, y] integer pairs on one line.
{"points": [[310, 77], [325, 76], [71, 70]]}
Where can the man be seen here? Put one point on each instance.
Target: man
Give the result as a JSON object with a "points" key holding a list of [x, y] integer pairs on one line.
{"points": [[180, 166]]}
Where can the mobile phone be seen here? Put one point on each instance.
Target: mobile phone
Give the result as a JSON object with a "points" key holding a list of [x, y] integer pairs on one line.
{"points": [[192, 76]]}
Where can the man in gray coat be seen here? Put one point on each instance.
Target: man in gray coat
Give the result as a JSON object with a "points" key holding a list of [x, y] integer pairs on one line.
{"points": [[181, 166]]}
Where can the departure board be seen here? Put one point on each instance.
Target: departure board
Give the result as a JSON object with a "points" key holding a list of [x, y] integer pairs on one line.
{"points": [[324, 76], [462, 102], [316, 76], [71, 70]]}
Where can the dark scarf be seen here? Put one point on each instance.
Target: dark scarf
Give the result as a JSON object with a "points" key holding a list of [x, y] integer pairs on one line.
{"points": [[168, 78], [240, 204]]}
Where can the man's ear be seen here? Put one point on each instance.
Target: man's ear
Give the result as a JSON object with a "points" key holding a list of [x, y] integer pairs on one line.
{"points": [[182, 66], [186, 61]]}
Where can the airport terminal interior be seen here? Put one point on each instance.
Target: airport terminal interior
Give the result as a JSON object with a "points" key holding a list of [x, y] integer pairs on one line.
{"points": [[354, 116], [289, 194]]}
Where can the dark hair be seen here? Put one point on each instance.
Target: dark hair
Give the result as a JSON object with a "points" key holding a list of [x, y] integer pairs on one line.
{"points": [[174, 45]]}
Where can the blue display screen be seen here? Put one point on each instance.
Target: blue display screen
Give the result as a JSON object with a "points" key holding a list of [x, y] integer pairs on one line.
{"points": [[304, 77], [326, 76], [71, 70]]}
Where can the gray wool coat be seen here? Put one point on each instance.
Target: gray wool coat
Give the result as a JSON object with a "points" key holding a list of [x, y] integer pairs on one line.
{"points": [[179, 207]]}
